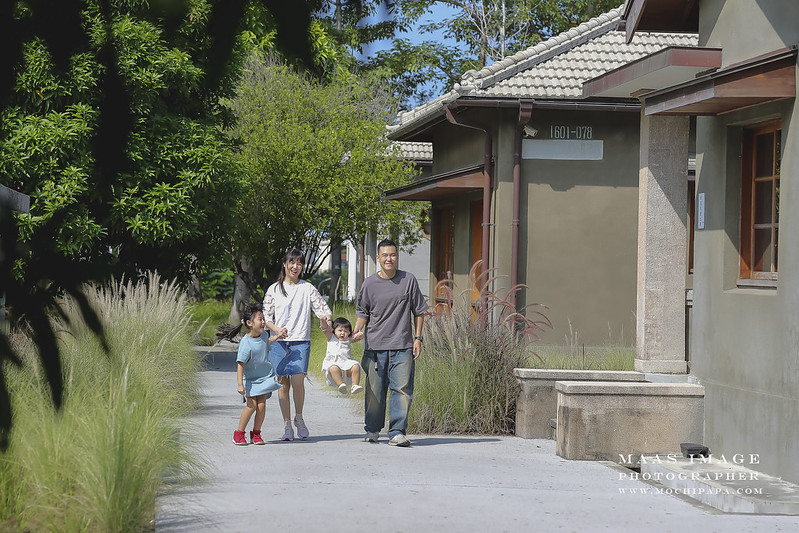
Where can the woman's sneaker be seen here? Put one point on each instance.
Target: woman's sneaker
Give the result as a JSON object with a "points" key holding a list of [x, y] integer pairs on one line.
{"points": [[289, 433], [255, 437], [356, 389], [302, 430], [239, 439]]}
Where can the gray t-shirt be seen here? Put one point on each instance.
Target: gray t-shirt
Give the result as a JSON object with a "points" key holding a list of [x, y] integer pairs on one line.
{"points": [[388, 305]]}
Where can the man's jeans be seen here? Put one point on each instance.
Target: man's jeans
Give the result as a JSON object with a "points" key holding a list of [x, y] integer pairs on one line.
{"points": [[394, 371]]}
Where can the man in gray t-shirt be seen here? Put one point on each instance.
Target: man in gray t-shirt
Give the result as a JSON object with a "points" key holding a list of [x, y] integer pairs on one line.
{"points": [[390, 315]]}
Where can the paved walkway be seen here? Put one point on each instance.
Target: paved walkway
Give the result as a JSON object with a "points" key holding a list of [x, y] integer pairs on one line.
{"points": [[335, 482]]}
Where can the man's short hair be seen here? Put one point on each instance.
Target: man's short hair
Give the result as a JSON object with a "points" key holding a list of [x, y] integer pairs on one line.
{"points": [[387, 242]]}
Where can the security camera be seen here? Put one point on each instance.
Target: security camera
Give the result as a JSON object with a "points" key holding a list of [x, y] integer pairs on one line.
{"points": [[530, 131]]}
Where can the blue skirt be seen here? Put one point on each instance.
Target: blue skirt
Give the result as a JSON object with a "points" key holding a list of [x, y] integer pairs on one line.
{"points": [[290, 357]]}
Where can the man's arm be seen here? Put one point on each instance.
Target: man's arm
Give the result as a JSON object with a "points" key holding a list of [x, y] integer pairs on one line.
{"points": [[417, 343], [357, 333]]}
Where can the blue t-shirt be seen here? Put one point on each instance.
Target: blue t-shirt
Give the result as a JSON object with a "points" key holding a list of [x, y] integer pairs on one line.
{"points": [[259, 374]]}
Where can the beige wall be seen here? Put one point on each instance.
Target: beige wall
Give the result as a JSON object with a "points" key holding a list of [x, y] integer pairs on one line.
{"points": [[745, 349], [748, 28], [578, 222]]}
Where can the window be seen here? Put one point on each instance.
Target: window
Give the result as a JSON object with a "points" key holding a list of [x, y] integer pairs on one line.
{"points": [[760, 203]]}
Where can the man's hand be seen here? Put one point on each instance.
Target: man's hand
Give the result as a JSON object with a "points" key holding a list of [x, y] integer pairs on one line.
{"points": [[417, 349]]}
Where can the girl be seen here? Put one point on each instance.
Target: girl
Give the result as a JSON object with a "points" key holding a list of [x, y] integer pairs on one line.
{"points": [[256, 375], [287, 307], [338, 358]]}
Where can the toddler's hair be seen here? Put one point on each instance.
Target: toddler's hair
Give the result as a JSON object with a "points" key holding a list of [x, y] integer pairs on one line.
{"points": [[228, 332], [343, 322]]}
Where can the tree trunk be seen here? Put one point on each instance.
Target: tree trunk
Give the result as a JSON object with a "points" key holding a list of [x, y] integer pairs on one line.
{"points": [[335, 273], [194, 290], [242, 290]]}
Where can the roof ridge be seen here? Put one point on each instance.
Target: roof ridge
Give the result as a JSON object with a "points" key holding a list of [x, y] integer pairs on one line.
{"points": [[543, 51]]}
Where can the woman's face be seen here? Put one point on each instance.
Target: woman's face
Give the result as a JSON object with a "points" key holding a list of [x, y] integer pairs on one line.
{"points": [[293, 269]]}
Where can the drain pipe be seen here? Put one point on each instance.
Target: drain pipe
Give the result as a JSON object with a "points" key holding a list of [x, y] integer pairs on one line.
{"points": [[525, 111], [488, 156]]}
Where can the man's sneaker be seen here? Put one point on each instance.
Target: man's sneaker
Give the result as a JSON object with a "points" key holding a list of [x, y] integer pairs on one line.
{"points": [[371, 436], [342, 389], [356, 389], [302, 430], [399, 440], [289, 433], [255, 437], [239, 439]]}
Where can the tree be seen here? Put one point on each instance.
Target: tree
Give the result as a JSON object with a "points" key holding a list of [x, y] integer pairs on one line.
{"points": [[162, 207], [77, 41], [316, 163]]}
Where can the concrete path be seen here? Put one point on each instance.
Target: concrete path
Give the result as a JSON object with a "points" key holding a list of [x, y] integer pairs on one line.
{"points": [[443, 483]]}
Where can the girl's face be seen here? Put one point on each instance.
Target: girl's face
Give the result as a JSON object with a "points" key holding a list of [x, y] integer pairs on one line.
{"points": [[342, 332], [293, 269], [257, 324]]}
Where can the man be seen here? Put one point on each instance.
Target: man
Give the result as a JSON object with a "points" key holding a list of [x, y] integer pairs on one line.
{"points": [[386, 304]]}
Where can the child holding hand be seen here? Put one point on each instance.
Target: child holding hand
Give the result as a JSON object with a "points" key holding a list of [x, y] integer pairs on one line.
{"points": [[255, 374], [338, 360]]}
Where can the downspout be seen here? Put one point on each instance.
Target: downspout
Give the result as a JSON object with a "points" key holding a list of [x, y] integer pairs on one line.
{"points": [[488, 156], [525, 111]]}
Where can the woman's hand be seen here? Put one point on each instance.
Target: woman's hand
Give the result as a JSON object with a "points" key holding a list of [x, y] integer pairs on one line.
{"points": [[241, 389], [282, 333]]}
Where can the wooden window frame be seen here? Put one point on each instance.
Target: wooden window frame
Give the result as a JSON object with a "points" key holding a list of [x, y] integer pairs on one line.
{"points": [[749, 274]]}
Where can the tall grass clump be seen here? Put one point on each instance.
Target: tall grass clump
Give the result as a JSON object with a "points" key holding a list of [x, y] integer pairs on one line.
{"points": [[464, 378], [98, 463]]}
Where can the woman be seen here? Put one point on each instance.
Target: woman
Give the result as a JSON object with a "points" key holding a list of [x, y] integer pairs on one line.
{"points": [[287, 307]]}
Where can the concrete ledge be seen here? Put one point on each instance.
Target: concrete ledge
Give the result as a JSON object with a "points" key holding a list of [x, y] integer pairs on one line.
{"points": [[660, 367], [537, 402], [620, 421], [725, 484]]}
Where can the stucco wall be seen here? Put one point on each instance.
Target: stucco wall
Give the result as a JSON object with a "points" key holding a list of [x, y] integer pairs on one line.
{"points": [[579, 231], [745, 346], [748, 28]]}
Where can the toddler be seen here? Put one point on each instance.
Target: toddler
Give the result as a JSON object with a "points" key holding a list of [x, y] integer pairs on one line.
{"points": [[338, 361]]}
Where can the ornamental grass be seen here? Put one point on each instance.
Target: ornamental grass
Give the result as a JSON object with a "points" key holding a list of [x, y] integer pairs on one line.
{"points": [[99, 462], [464, 378]]}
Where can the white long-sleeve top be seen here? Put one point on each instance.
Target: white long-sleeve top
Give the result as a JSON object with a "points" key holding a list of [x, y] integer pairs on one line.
{"points": [[293, 311]]}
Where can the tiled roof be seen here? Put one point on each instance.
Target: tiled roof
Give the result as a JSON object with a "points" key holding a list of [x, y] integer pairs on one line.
{"points": [[554, 69], [415, 151]]}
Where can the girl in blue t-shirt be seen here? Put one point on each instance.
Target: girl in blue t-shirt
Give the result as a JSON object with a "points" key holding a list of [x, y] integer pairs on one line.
{"points": [[256, 375]]}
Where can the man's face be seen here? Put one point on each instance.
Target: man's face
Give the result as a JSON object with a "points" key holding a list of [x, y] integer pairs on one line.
{"points": [[388, 258]]}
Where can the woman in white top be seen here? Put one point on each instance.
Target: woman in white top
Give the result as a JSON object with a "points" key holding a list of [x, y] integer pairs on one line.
{"points": [[287, 307]]}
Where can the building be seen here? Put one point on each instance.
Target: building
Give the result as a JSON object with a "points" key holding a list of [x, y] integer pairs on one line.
{"points": [[740, 84], [540, 182]]}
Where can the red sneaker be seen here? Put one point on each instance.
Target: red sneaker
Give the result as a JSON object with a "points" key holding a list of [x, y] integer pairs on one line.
{"points": [[239, 439], [255, 437]]}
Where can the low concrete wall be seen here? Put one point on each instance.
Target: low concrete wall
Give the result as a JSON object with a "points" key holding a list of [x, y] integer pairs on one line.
{"points": [[620, 421], [537, 402]]}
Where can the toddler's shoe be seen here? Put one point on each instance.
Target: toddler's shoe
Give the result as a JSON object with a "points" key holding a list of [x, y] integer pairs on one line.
{"points": [[255, 437], [302, 429], [289, 433], [239, 439], [342, 389], [356, 389]]}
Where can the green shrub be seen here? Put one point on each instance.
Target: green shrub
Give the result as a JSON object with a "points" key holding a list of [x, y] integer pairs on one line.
{"points": [[98, 464], [464, 378], [206, 316]]}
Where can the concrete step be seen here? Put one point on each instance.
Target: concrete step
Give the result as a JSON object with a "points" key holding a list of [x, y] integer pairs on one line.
{"points": [[725, 483]]}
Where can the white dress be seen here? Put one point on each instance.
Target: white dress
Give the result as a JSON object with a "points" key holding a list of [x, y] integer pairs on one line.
{"points": [[338, 353]]}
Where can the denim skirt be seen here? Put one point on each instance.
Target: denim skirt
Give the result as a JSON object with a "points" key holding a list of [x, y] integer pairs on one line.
{"points": [[290, 357]]}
